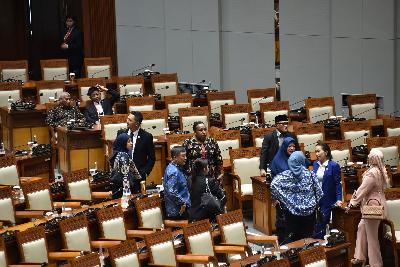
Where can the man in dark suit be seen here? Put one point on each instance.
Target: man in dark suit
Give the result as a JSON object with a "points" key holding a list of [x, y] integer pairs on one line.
{"points": [[96, 107], [73, 46], [142, 144], [273, 140]]}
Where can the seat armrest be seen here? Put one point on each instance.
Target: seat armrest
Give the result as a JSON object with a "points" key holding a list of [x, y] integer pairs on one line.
{"points": [[101, 194], [104, 244], [68, 204], [175, 223], [236, 178], [262, 239], [230, 249], [194, 258], [63, 255], [138, 233], [29, 214]]}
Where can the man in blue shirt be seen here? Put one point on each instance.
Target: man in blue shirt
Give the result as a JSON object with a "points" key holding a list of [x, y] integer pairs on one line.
{"points": [[176, 189]]}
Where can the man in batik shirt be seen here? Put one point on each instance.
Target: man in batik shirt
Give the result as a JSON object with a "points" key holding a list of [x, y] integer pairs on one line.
{"points": [[205, 147]]}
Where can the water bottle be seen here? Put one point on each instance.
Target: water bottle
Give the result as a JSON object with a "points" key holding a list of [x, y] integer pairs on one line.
{"points": [[125, 193]]}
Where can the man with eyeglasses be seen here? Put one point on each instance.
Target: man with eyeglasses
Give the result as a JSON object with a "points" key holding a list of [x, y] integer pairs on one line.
{"points": [[273, 140]]}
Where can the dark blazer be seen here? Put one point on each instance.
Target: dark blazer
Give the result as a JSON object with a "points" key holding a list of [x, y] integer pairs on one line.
{"points": [[90, 111], [331, 185], [270, 147], [143, 155], [198, 187], [74, 53]]}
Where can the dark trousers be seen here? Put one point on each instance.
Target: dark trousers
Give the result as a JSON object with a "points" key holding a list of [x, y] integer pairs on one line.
{"points": [[320, 227], [299, 227], [280, 224]]}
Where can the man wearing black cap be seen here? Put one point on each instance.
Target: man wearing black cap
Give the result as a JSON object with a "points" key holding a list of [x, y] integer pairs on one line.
{"points": [[96, 107], [273, 140]]}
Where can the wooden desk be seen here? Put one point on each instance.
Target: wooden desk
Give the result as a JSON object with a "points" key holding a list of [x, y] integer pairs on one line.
{"points": [[347, 222], [39, 166], [160, 147], [337, 256], [80, 149], [19, 127], [263, 212]]}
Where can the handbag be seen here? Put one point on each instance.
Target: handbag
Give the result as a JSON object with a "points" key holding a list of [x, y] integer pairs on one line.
{"points": [[373, 212], [209, 201]]}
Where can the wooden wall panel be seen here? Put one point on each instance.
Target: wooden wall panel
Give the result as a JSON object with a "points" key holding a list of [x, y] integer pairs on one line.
{"points": [[99, 29]]}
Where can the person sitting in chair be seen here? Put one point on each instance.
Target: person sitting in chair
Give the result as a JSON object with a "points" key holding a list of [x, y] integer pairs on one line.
{"points": [[96, 107]]}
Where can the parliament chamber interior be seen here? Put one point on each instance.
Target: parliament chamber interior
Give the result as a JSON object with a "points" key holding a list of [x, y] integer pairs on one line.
{"points": [[326, 70]]}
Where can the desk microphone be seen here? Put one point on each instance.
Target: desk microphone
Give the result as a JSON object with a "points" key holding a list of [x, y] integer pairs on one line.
{"points": [[93, 74], [59, 75], [365, 111], [142, 68]]}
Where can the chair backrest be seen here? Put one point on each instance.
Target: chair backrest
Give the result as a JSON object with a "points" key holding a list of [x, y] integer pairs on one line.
{"points": [[363, 106], [165, 84], [309, 134], [110, 124], [320, 108], [161, 247], [272, 109], [89, 260], [16, 70], [3, 256], [235, 115], [355, 131], [187, 116], [85, 83], [100, 67], [341, 151], [146, 103], [314, 257], [49, 89], [277, 263], [149, 212], [232, 228], [216, 99], [257, 135], [9, 90], [198, 238], [391, 126], [175, 102], [389, 147], [257, 96], [130, 84], [75, 233], [124, 255], [8, 170], [174, 140], [33, 245], [111, 222], [245, 163], [392, 196], [155, 122], [6, 204], [37, 194], [227, 139], [54, 69], [77, 184]]}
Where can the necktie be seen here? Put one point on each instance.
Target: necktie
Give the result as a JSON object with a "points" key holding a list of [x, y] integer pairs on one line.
{"points": [[203, 151]]}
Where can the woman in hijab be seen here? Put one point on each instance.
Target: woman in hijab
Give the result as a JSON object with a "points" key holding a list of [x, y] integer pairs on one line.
{"points": [[374, 183], [298, 192], [280, 161], [121, 160], [279, 164]]}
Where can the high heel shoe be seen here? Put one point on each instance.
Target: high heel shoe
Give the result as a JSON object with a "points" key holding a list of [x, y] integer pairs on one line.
{"points": [[357, 262]]}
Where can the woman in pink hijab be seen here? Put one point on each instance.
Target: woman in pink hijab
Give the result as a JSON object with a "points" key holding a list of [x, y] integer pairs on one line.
{"points": [[374, 183]]}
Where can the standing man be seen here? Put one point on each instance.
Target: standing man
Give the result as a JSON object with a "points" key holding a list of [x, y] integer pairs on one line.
{"points": [[73, 46], [143, 154], [176, 188], [273, 141], [96, 107]]}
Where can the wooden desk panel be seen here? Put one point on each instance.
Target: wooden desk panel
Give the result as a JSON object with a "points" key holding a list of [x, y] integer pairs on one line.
{"points": [[39, 166], [157, 173], [19, 127]]}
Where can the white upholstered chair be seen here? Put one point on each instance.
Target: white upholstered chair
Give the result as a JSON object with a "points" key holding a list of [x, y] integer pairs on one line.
{"points": [[155, 122], [7, 213], [124, 254], [174, 140], [3, 256], [75, 233], [54, 69], [130, 84], [217, 99], [111, 223], [48, 91], [341, 151], [33, 245], [9, 90], [8, 171], [235, 115], [37, 194], [389, 146], [227, 139], [100, 67], [309, 135], [15, 70], [245, 164], [165, 84], [363, 106], [175, 102], [272, 109], [187, 117], [145, 103], [257, 96], [319, 109], [391, 126], [314, 257], [392, 221], [257, 135], [356, 132]]}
